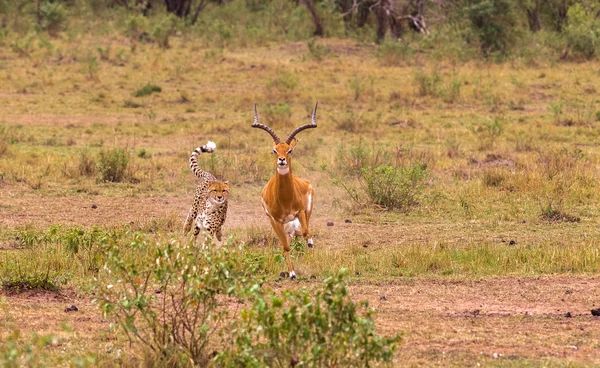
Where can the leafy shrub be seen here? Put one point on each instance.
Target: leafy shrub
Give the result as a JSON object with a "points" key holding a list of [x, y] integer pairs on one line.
{"points": [[53, 17], [163, 30], [493, 23], [394, 187], [148, 89], [166, 296], [582, 31], [112, 165], [317, 50], [178, 301], [22, 282], [321, 328], [137, 25]]}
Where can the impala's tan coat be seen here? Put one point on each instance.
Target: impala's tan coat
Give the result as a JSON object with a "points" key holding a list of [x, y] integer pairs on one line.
{"points": [[287, 199]]}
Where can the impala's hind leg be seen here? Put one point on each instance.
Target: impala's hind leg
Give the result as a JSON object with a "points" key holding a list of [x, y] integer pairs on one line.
{"points": [[307, 212], [285, 244]]}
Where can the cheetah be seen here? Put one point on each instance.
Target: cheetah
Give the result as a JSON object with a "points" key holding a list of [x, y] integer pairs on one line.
{"points": [[209, 209]]}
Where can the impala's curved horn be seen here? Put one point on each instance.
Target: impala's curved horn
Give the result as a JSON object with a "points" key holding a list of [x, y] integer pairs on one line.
{"points": [[256, 124], [313, 124]]}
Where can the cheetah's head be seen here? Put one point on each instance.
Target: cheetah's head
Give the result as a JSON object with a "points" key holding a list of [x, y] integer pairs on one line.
{"points": [[218, 192]]}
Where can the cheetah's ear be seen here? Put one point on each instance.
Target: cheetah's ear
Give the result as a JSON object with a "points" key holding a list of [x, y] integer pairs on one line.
{"points": [[226, 182]]}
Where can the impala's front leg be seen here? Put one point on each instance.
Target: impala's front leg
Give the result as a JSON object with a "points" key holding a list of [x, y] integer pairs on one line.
{"points": [[280, 231]]}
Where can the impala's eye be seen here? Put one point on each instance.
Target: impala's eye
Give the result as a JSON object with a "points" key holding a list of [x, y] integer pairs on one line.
{"points": [[290, 151], [275, 151]]}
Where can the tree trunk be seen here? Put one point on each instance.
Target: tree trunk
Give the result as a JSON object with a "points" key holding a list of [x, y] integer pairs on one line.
{"points": [[533, 17], [381, 16], [316, 20]]}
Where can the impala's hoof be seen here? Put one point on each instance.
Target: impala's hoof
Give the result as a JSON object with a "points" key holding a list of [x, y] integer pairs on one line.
{"points": [[311, 244], [292, 275]]}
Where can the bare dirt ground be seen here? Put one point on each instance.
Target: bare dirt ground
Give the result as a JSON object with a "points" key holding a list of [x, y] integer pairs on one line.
{"points": [[443, 322]]}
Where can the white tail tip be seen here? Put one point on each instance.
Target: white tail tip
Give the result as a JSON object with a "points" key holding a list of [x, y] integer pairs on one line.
{"points": [[209, 147]]}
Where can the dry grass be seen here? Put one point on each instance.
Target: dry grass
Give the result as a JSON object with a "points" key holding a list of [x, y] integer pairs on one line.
{"points": [[506, 175]]}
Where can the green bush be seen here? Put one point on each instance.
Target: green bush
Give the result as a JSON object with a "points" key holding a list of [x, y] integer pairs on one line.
{"points": [[394, 188], [171, 298], [582, 31], [53, 17], [307, 328], [167, 296], [493, 22], [148, 89], [112, 165], [137, 25], [163, 30]]}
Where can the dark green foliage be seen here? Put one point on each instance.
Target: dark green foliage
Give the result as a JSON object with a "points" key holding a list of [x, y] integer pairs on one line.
{"points": [[23, 282], [307, 328], [148, 89], [112, 165], [582, 31], [493, 23], [52, 16]]}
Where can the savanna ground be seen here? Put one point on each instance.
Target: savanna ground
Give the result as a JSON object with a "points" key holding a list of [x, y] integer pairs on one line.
{"points": [[480, 266]]}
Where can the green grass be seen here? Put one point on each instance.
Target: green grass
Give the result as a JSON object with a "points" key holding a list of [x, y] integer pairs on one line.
{"points": [[510, 149]]}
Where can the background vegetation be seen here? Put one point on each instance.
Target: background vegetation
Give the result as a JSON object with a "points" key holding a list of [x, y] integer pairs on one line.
{"points": [[457, 141]]}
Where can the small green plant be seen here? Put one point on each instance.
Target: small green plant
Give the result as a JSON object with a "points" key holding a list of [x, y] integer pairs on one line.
{"points": [[163, 30], [317, 51], [427, 85], [148, 89], [52, 16], [357, 86], [493, 178], [278, 114], [143, 153], [555, 213], [557, 112], [112, 165], [322, 328], [284, 82], [488, 132], [351, 160], [136, 26], [394, 188]]}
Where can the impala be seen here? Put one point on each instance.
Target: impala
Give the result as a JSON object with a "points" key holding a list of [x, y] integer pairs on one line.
{"points": [[287, 199]]}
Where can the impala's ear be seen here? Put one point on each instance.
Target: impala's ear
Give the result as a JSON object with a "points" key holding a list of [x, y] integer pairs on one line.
{"points": [[293, 143]]}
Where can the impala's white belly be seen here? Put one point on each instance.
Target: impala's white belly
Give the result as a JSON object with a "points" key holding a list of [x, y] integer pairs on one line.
{"points": [[291, 227]]}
